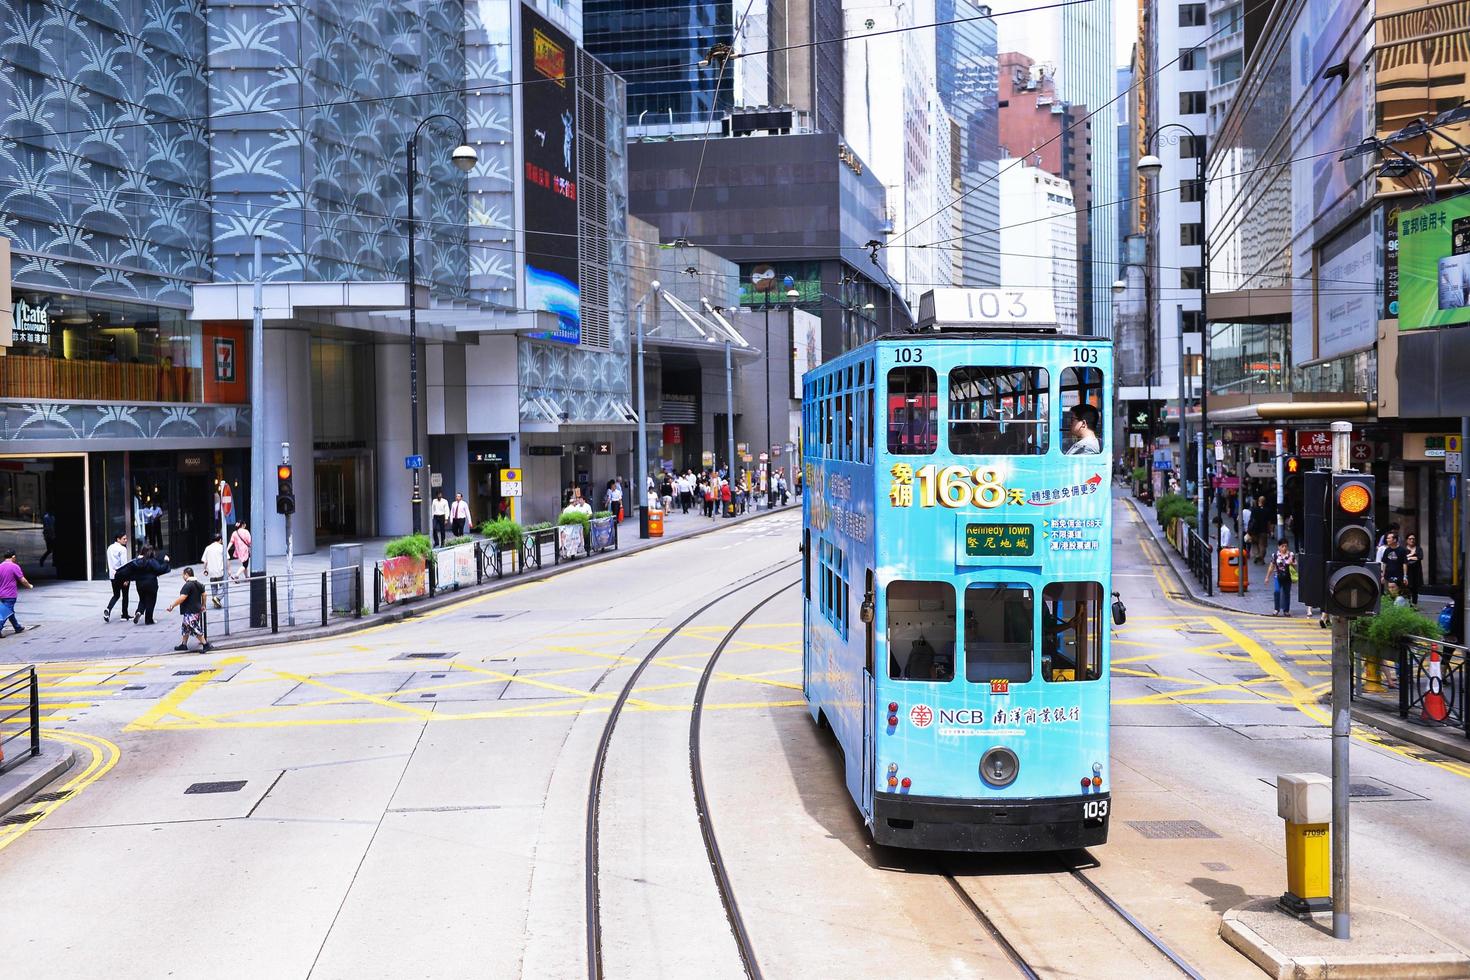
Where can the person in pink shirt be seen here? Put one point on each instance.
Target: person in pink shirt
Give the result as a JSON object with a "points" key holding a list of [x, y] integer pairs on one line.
{"points": [[11, 579]]}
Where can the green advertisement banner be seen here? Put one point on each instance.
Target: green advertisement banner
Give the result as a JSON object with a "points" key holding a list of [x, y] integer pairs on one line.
{"points": [[1434, 265]]}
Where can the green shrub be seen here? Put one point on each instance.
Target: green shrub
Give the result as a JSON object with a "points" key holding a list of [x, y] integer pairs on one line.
{"points": [[462, 539], [599, 515], [505, 532], [540, 526], [1392, 623], [573, 517], [1140, 474], [1172, 505], [410, 546]]}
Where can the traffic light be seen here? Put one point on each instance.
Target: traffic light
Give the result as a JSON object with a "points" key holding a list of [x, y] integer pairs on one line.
{"points": [[285, 496], [1350, 577], [1293, 466]]}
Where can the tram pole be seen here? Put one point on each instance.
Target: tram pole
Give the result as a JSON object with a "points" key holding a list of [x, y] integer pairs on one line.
{"points": [[729, 428], [1342, 439]]}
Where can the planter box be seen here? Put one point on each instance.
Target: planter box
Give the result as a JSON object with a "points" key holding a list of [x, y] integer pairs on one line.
{"points": [[403, 578]]}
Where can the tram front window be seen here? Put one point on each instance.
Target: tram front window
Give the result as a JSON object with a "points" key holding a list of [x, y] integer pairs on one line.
{"points": [[1082, 421], [998, 411], [998, 633], [920, 631], [1071, 631]]}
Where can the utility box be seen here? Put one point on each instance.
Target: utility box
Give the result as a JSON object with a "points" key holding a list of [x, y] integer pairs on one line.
{"points": [[1304, 798], [346, 565]]}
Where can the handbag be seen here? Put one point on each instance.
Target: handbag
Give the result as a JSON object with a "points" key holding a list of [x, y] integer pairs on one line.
{"points": [[1294, 574]]}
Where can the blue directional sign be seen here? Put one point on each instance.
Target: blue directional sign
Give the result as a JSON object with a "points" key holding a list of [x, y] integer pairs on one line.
{"points": [[413, 462]]}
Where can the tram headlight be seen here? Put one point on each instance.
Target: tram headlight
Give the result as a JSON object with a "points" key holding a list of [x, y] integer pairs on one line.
{"points": [[999, 766]]}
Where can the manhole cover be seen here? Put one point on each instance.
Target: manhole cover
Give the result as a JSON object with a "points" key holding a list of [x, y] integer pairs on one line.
{"points": [[1172, 829], [1286, 707], [226, 786], [51, 797], [424, 656], [187, 673], [428, 695], [1367, 789], [1249, 678], [133, 687], [19, 818]]}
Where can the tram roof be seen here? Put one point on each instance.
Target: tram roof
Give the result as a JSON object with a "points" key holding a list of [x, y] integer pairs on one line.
{"points": [[986, 333]]}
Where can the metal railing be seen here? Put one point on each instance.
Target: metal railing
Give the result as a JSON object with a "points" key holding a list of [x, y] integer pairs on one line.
{"points": [[1198, 556], [234, 606], [20, 698], [1420, 678]]}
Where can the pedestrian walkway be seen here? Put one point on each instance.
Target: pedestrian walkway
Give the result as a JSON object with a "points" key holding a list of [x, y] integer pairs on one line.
{"points": [[64, 618]]}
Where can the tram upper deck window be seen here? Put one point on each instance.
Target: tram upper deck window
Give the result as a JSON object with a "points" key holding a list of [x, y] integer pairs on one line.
{"points": [[1082, 399], [998, 411], [1071, 631], [921, 631], [998, 633], [913, 410]]}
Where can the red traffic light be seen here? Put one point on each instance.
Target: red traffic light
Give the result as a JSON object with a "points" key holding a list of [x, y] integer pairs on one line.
{"points": [[283, 472]]}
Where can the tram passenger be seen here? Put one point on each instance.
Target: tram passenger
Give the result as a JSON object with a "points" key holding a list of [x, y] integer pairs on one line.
{"points": [[1084, 430]]}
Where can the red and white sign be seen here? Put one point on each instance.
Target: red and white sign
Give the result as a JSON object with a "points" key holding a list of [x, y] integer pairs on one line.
{"points": [[226, 501], [921, 715], [1362, 452], [1314, 443]]}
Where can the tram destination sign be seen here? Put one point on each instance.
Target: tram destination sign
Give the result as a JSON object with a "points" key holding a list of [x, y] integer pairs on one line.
{"points": [[987, 540]]}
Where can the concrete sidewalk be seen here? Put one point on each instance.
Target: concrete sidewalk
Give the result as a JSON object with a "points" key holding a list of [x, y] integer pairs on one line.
{"points": [[64, 619]]}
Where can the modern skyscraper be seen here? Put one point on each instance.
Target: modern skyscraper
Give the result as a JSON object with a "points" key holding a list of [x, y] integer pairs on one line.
{"points": [[1038, 240], [965, 60]]}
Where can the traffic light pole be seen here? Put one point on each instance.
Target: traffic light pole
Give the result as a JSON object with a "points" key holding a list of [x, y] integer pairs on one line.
{"points": [[290, 582], [1280, 491], [1342, 722]]}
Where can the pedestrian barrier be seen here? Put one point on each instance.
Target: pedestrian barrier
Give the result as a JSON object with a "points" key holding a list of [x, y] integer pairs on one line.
{"points": [[235, 606], [1198, 556], [1422, 679], [20, 705]]}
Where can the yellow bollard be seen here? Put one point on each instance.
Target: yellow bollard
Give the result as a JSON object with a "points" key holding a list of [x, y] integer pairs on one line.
{"points": [[1373, 675], [1304, 801]]}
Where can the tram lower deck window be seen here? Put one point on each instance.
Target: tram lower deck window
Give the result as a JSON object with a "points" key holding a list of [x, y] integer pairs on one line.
{"points": [[1071, 631], [921, 631], [998, 633]]}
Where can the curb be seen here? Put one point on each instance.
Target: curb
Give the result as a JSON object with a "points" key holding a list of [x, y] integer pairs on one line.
{"points": [[33, 782], [1184, 581], [475, 591], [1409, 732], [1353, 966]]}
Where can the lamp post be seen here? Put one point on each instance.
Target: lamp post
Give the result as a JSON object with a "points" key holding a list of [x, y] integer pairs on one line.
{"points": [[1150, 166], [464, 158]]}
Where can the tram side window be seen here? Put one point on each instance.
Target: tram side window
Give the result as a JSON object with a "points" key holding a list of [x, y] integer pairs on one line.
{"points": [[833, 598], [1082, 401], [998, 411], [913, 406], [1071, 631], [921, 631], [998, 632]]}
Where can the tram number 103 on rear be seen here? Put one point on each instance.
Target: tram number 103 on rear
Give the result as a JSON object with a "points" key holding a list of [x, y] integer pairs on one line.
{"points": [[1094, 812]]}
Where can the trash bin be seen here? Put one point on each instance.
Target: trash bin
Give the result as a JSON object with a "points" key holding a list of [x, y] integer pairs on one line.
{"points": [[344, 559], [655, 522], [1234, 575]]}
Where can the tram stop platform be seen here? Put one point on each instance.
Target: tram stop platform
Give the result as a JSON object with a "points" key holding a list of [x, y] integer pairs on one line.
{"points": [[1383, 945]]}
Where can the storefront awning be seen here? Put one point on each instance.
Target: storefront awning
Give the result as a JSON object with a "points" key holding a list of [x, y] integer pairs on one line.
{"points": [[1289, 412]]}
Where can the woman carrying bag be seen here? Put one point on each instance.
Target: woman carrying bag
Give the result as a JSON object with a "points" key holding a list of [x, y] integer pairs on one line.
{"points": [[1282, 574]]}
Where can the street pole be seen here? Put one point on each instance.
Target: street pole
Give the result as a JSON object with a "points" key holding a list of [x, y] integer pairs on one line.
{"points": [[1342, 444], [642, 455], [1183, 406], [730, 418], [1204, 328], [413, 334], [1464, 601], [257, 424], [766, 466], [290, 582], [1280, 485], [224, 537]]}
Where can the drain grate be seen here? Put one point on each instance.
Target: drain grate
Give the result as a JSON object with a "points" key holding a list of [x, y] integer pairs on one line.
{"points": [[1172, 829], [225, 786], [133, 687], [51, 797], [16, 819], [1286, 707], [1367, 790], [433, 655], [187, 673]]}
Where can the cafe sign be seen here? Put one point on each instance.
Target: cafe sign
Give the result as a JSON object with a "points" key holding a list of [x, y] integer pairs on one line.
{"points": [[32, 323]]}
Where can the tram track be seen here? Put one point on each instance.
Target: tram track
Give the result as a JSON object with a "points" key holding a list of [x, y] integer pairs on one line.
{"points": [[592, 886], [1015, 947]]}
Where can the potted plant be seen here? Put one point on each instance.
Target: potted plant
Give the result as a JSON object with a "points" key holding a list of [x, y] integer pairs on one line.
{"points": [[1379, 638], [505, 536], [571, 549]]}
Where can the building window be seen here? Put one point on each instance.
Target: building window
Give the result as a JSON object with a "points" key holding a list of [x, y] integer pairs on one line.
{"points": [[1191, 321], [1192, 233], [1228, 68], [1190, 277], [1191, 147], [1190, 59], [1191, 15], [1191, 103], [1191, 190]]}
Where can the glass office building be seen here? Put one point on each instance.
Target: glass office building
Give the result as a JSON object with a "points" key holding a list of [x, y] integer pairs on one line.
{"points": [[965, 58], [656, 48]]}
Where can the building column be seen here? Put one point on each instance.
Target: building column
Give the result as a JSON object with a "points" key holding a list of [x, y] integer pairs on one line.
{"points": [[288, 418], [394, 440]]}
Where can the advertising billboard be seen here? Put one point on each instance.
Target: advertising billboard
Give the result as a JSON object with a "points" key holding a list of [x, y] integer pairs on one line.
{"points": [[549, 176], [1434, 264], [806, 347]]}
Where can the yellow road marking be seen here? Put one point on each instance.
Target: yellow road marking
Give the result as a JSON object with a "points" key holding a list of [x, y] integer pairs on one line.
{"points": [[104, 756], [171, 701]]}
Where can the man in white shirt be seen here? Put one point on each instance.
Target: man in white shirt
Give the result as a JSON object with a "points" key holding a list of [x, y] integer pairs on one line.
{"points": [[459, 514], [213, 561], [578, 505], [439, 510], [1084, 431], [117, 557]]}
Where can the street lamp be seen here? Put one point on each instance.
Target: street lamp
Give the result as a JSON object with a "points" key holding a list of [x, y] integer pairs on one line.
{"points": [[464, 159], [1150, 167]]}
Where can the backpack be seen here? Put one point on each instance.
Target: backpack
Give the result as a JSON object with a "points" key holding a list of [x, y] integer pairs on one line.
{"points": [[1446, 615]]}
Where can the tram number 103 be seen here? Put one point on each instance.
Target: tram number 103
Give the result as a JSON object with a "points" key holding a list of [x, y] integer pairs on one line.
{"points": [[1094, 811]]}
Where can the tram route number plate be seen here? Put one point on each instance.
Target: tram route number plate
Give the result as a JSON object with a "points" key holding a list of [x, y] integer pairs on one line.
{"points": [[1094, 812], [999, 539]]}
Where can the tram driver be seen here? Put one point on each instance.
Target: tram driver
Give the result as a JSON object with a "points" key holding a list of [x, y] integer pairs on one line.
{"points": [[1084, 422]]}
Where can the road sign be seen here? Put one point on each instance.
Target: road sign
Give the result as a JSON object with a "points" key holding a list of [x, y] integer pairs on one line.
{"points": [[227, 500], [436, 479], [510, 483], [765, 458], [1260, 471], [1452, 444], [413, 462], [1362, 452], [1451, 462]]}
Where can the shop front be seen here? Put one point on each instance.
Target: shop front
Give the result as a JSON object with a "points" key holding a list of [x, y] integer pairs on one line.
{"points": [[487, 457]]}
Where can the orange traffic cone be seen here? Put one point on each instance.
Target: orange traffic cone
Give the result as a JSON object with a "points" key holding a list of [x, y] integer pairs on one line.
{"points": [[1435, 708]]}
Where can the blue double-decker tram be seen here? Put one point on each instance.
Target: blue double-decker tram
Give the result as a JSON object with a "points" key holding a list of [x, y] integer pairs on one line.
{"points": [[957, 545]]}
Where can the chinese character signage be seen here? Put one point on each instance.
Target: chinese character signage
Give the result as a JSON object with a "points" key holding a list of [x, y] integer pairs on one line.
{"points": [[999, 539], [1434, 264], [1314, 443], [549, 141]]}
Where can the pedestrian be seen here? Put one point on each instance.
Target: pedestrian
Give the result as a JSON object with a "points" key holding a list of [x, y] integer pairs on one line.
{"points": [[578, 505], [11, 579], [190, 604], [213, 561], [708, 491], [1244, 528], [48, 535], [1282, 574], [459, 514], [144, 570], [725, 498], [785, 490], [1222, 532], [1413, 569], [666, 491], [439, 512], [117, 557], [239, 548], [1391, 560], [615, 500]]}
